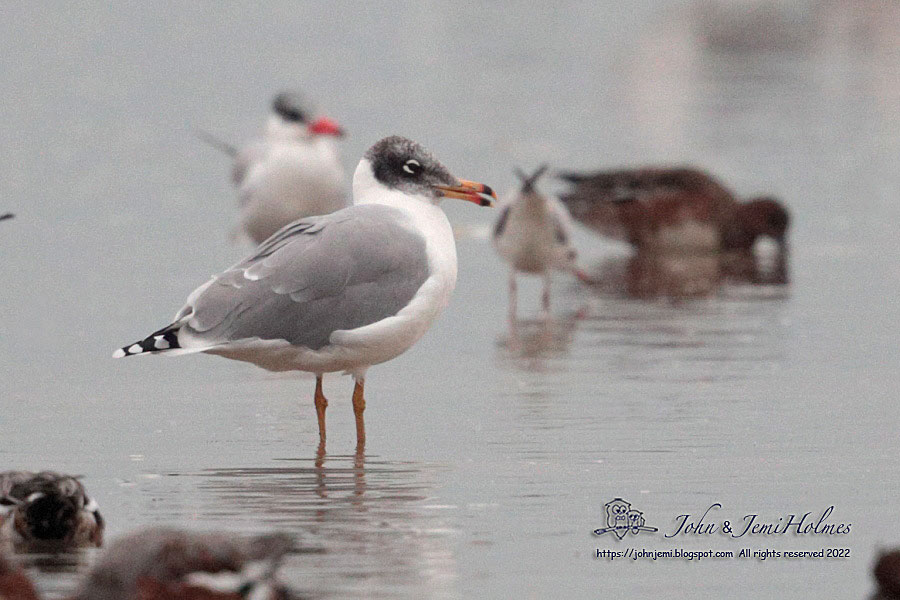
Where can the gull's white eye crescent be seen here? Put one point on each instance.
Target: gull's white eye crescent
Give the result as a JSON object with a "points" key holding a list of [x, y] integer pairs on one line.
{"points": [[412, 166]]}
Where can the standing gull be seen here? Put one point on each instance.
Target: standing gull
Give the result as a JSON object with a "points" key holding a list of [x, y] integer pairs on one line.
{"points": [[294, 171], [532, 234], [339, 292]]}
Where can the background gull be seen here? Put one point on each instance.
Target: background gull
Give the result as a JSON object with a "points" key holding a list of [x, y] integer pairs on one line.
{"points": [[339, 292], [293, 171]]}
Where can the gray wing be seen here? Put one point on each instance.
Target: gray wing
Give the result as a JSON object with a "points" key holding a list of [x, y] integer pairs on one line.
{"points": [[315, 276]]}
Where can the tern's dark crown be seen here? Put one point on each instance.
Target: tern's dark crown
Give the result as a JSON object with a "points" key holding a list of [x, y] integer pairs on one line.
{"points": [[291, 107]]}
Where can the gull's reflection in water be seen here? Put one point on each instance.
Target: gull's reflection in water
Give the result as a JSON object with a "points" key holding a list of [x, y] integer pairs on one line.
{"points": [[365, 524]]}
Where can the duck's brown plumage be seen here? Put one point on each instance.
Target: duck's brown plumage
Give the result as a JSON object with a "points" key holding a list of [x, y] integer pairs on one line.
{"points": [[14, 584], [638, 205], [161, 564], [887, 574], [155, 563], [47, 509]]}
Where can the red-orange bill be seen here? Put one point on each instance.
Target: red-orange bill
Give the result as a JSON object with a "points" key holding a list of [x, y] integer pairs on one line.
{"points": [[470, 191]]}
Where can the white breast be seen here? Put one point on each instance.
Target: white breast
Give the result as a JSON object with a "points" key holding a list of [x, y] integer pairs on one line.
{"points": [[529, 241]]}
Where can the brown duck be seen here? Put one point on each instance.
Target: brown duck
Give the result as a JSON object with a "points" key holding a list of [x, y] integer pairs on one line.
{"points": [[47, 510], [672, 209], [170, 564]]}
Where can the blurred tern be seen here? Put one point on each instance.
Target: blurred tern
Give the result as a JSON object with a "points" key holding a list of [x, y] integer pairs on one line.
{"points": [[339, 292], [294, 171], [532, 233]]}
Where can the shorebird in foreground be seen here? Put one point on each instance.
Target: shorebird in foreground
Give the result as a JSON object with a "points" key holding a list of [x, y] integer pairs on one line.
{"points": [[339, 292], [47, 510], [672, 209], [532, 233], [294, 171], [169, 564]]}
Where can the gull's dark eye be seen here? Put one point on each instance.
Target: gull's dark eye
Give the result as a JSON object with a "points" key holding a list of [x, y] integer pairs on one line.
{"points": [[412, 167]]}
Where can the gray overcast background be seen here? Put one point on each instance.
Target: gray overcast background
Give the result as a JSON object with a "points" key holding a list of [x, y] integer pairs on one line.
{"points": [[486, 470]]}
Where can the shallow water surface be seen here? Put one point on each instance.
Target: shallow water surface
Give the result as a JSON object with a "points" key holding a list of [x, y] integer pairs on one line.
{"points": [[489, 459]]}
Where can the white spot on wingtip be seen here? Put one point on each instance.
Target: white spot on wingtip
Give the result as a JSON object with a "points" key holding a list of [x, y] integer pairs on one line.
{"points": [[119, 353], [135, 349], [161, 343]]}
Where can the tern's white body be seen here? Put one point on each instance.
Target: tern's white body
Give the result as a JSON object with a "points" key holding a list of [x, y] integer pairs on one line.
{"points": [[532, 234], [288, 175], [355, 350]]}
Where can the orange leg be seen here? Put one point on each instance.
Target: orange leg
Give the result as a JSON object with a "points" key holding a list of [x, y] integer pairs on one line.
{"points": [[359, 407], [321, 405]]}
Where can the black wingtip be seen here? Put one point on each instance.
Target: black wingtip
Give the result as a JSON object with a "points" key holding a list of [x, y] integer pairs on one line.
{"points": [[6, 216], [158, 341]]}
